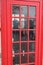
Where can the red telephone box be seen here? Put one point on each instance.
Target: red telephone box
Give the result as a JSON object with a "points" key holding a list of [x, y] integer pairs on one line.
{"points": [[21, 32]]}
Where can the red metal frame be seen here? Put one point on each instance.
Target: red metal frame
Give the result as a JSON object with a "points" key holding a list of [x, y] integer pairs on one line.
{"points": [[42, 35], [0, 15], [7, 30], [3, 33]]}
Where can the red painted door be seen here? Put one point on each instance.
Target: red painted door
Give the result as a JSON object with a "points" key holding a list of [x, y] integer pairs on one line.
{"points": [[23, 33]]}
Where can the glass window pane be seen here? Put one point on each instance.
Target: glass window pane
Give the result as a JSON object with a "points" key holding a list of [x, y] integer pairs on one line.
{"points": [[16, 47], [23, 58], [24, 47], [24, 35], [32, 24], [31, 46], [24, 23], [32, 11], [31, 58], [15, 10], [23, 11], [16, 60], [16, 36], [15, 23], [32, 35]]}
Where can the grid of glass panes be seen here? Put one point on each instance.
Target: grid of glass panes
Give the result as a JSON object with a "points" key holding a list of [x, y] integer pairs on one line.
{"points": [[23, 34]]}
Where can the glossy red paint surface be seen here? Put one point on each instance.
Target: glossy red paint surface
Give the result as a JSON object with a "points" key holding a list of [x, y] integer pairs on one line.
{"points": [[42, 34], [7, 30], [0, 15]]}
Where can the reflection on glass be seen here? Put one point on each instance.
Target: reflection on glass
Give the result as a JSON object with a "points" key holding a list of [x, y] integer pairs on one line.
{"points": [[31, 58], [15, 23], [16, 36], [24, 11], [31, 46], [24, 23], [32, 35], [32, 11], [24, 47], [15, 10], [24, 58], [16, 47], [32, 24], [24, 35], [16, 60]]}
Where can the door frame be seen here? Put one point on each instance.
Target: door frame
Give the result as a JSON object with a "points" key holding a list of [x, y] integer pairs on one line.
{"points": [[6, 47]]}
